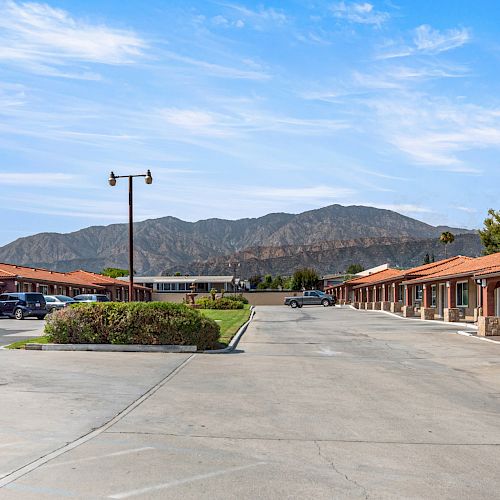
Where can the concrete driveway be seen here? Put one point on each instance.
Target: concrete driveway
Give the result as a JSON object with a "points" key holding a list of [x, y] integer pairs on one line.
{"points": [[13, 330], [316, 403]]}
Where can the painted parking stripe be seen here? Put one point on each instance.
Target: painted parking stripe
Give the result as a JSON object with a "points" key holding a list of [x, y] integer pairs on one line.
{"points": [[179, 482], [98, 457]]}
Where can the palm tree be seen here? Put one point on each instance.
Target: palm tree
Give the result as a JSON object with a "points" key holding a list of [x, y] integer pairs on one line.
{"points": [[446, 238]]}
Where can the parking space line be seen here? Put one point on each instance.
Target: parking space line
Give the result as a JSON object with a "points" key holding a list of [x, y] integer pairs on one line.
{"points": [[179, 482], [98, 457]]}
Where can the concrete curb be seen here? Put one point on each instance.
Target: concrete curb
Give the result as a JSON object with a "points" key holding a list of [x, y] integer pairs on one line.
{"points": [[436, 322], [234, 342], [112, 348]]}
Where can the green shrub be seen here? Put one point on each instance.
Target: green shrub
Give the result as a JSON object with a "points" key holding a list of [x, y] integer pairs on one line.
{"points": [[132, 323], [223, 303], [237, 298]]}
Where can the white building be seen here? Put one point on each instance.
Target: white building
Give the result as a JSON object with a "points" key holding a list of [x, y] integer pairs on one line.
{"points": [[169, 284]]}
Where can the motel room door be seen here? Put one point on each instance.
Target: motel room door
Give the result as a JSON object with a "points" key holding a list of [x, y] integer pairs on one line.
{"points": [[442, 299], [497, 301]]}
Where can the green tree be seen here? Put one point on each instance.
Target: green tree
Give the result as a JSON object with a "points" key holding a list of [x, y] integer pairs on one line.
{"points": [[305, 278], [278, 282], [427, 259], [354, 269], [490, 235], [255, 280], [115, 272], [446, 238]]}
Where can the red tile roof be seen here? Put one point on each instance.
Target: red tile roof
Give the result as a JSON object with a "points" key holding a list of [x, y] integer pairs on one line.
{"points": [[384, 275], [468, 266], [99, 279], [490, 270], [34, 273]]}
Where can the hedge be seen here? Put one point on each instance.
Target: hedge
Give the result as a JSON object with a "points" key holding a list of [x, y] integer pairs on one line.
{"points": [[132, 323], [238, 298], [223, 303]]}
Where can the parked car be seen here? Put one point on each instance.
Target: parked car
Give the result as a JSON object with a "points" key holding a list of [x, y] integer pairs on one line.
{"points": [[22, 305], [56, 302], [309, 298], [91, 298]]}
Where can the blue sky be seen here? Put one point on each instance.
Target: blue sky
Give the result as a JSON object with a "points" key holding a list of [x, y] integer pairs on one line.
{"points": [[242, 108]]}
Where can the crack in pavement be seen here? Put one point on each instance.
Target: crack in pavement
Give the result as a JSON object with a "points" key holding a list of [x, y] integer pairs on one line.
{"points": [[341, 474], [299, 440]]}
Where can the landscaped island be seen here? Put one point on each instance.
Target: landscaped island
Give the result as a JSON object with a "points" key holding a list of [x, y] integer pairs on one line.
{"points": [[140, 323]]}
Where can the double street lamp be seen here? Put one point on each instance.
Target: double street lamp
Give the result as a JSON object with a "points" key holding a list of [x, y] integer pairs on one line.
{"points": [[112, 182]]}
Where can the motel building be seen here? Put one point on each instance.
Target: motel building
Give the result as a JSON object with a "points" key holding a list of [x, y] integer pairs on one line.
{"points": [[182, 284], [458, 289], [15, 278]]}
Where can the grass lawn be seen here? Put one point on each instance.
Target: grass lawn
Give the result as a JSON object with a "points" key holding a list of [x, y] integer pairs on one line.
{"points": [[229, 321], [22, 343]]}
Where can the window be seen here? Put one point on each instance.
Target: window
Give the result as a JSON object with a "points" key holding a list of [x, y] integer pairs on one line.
{"points": [[463, 294], [400, 293], [165, 287], [44, 289], [182, 286], [419, 292], [433, 295]]}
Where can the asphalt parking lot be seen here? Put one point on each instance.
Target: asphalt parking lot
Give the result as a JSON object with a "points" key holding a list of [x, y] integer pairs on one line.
{"points": [[13, 330], [315, 403]]}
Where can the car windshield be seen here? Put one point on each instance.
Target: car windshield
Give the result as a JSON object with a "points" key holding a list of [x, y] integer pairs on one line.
{"points": [[64, 298], [49, 299]]}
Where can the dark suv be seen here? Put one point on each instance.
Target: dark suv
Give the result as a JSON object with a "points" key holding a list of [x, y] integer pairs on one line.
{"points": [[22, 305]]}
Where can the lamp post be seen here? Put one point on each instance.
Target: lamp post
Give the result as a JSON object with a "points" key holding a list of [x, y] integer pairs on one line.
{"points": [[112, 182]]}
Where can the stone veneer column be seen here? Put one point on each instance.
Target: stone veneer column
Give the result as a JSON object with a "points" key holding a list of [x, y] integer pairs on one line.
{"points": [[377, 306], [452, 314], [395, 307], [385, 305], [408, 311], [427, 313], [488, 326]]}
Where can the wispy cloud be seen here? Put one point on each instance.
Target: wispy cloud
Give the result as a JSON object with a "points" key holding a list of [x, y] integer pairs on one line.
{"points": [[304, 193], [361, 13], [41, 39], [39, 179], [219, 70], [403, 208], [259, 18], [433, 41], [426, 40], [435, 132]]}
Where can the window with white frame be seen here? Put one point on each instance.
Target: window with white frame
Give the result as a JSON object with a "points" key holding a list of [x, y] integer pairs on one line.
{"points": [[463, 294], [44, 289], [433, 295], [419, 292], [401, 293]]}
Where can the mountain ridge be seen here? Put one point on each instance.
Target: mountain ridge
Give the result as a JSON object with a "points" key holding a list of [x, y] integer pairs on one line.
{"points": [[168, 241]]}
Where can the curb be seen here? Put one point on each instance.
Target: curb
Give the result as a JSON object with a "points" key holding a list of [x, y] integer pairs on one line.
{"points": [[234, 342], [436, 322], [112, 348]]}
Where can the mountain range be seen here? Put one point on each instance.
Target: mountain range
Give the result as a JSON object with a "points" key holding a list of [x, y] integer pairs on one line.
{"points": [[328, 239]]}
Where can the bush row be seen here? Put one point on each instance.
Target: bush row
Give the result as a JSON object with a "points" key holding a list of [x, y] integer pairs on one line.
{"points": [[222, 303], [132, 323]]}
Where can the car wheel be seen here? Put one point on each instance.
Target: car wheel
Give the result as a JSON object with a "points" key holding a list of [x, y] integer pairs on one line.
{"points": [[40, 317], [18, 313], [294, 304], [325, 302]]}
